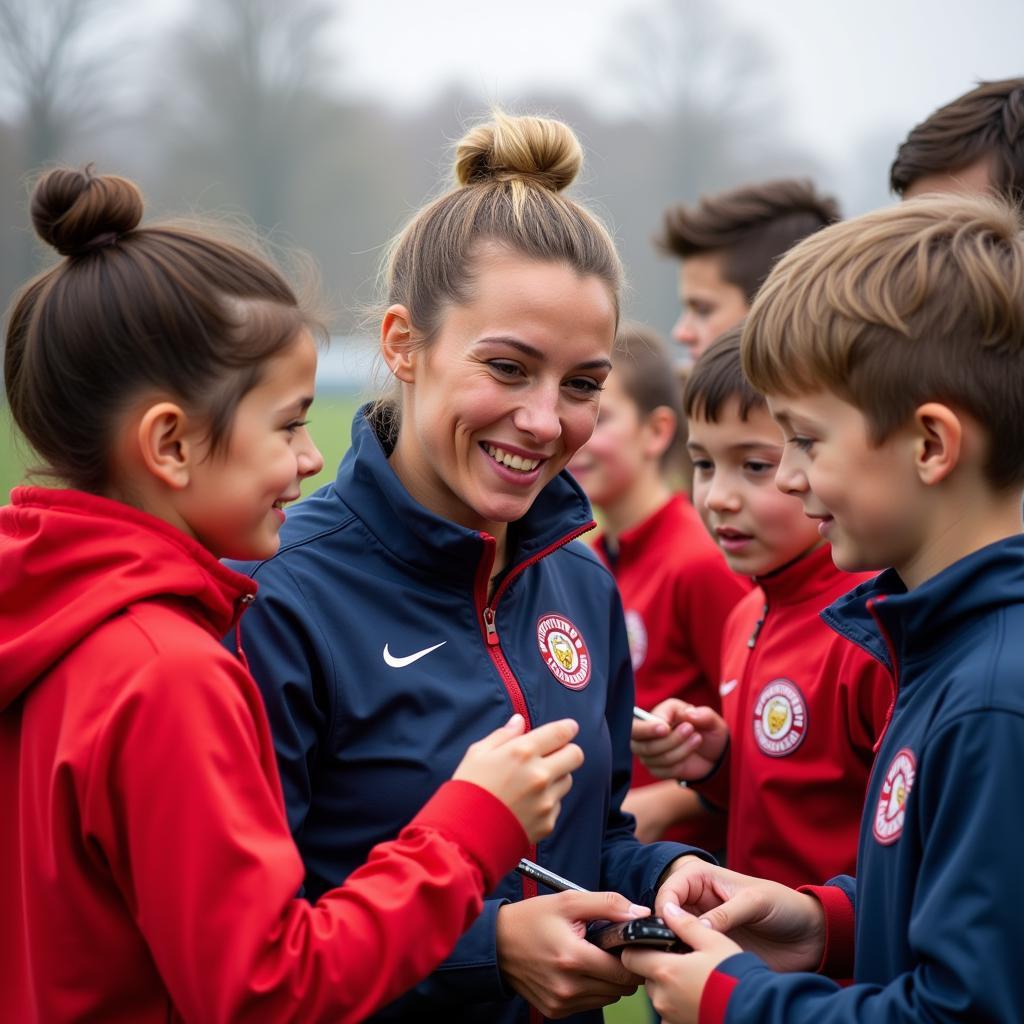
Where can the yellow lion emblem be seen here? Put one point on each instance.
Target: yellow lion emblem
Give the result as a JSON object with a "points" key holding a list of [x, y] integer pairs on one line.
{"points": [[563, 651], [778, 716]]}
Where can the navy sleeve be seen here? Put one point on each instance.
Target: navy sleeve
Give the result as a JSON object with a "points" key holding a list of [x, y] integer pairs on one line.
{"points": [[627, 865], [963, 939]]}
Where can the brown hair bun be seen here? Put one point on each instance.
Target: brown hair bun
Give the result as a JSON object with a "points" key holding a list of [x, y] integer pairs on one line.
{"points": [[76, 211], [531, 149]]}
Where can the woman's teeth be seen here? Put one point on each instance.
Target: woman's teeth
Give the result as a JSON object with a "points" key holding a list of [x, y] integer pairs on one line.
{"points": [[511, 461]]}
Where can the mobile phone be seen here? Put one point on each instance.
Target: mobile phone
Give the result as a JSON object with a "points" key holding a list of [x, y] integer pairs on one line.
{"points": [[640, 931]]}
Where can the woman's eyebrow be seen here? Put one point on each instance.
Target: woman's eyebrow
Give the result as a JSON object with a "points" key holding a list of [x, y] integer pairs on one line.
{"points": [[536, 353]]}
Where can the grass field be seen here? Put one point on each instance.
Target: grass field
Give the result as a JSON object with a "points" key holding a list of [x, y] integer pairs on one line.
{"points": [[330, 425]]}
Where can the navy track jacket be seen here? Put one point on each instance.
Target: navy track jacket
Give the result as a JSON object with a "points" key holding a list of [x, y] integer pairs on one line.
{"points": [[939, 894], [381, 660]]}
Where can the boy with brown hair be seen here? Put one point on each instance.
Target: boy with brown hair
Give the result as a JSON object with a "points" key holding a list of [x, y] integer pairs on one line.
{"points": [[891, 349], [973, 144], [801, 708], [728, 243]]}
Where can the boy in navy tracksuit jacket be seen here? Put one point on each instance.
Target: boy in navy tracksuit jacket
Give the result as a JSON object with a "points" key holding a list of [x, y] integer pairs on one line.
{"points": [[891, 348]]}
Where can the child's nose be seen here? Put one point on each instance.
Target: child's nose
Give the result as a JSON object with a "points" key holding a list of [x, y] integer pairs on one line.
{"points": [[310, 460]]}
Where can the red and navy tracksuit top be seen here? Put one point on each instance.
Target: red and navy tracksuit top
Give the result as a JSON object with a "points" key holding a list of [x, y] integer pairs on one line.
{"points": [[381, 659], [805, 708], [931, 927]]}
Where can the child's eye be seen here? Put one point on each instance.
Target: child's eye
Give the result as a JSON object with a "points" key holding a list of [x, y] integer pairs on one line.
{"points": [[805, 444], [296, 425], [703, 465], [758, 467]]}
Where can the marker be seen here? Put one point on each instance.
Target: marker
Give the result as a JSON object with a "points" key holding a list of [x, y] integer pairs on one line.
{"points": [[646, 716], [547, 878]]}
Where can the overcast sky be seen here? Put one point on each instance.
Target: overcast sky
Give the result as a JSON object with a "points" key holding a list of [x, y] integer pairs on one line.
{"points": [[844, 69]]}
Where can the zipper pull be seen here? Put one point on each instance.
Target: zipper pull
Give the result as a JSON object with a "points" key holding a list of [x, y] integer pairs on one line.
{"points": [[492, 630], [757, 628]]}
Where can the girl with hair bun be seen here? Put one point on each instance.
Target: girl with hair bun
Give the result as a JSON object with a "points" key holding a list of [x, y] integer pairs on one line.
{"points": [[437, 584], [146, 868]]}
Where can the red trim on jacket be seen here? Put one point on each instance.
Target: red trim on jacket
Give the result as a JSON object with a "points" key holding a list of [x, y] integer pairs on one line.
{"points": [[714, 999], [837, 957]]}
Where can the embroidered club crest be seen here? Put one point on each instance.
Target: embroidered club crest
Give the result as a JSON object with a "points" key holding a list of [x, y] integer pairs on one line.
{"points": [[780, 718], [636, 632], [564, 651], [892, 801]]}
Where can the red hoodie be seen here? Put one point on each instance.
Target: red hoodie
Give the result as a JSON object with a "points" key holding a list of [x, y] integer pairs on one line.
{"points": [[147, 872]]}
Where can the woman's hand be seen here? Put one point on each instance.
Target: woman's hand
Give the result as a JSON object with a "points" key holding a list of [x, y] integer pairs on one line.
{"points": [[544, 955]]}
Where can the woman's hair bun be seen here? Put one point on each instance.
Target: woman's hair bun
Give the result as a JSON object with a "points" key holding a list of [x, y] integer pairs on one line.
{"points": [[76, 211], [534, 149]]}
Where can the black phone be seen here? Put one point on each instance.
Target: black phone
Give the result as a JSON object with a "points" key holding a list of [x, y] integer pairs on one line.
{"points": [[640, 931]]}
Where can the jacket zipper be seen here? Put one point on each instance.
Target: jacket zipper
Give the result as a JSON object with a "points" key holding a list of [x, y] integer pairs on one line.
{"points": [[488, 619], [894, 670]]}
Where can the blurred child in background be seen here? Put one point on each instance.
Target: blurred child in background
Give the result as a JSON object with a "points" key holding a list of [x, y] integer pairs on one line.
{"points": [[677, 589], [727, 243]]}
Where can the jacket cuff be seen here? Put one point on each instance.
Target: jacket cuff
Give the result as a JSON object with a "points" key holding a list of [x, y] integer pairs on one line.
{"points": [[837, 958], [713, 788], [718, 989], [480, 823]]}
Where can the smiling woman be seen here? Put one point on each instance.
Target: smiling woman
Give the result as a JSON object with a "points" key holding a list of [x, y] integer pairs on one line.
{"points": [[436, 586]]}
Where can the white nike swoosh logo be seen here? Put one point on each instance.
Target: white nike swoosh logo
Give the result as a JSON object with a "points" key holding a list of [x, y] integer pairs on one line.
{"points": [[727, 687], [390, 659]]}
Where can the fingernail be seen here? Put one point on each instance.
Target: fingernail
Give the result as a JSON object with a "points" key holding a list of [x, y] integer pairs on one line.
{"points": [[704, 921], [516, 719], [637, 911], [672, 910]]}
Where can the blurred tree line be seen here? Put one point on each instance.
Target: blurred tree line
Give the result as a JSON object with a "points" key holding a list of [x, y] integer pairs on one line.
{"points": [[236, 113]]}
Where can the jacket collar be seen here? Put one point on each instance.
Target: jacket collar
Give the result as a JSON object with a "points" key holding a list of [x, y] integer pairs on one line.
{"points": [[367, 484], [803, 580], [889, 621]]}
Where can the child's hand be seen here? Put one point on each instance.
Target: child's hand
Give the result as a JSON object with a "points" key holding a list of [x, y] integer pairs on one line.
{"points": [[675, 981], [784, 927], [687, 744], [529, 773]]}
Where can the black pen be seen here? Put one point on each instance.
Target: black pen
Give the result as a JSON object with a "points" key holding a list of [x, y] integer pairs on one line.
{"points": [[547, 878]]}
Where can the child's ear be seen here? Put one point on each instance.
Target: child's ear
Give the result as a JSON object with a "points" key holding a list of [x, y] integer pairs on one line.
{"points": [[396, 343], [660, 429], [939, 441], [166, 444]]}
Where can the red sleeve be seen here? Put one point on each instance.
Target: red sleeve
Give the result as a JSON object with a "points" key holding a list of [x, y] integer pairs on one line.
{"points": [[189, 811], [837, 958], [704, 598]]}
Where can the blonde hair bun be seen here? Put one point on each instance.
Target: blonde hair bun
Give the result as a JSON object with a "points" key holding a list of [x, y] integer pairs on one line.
{"points": [[535, 150]]}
